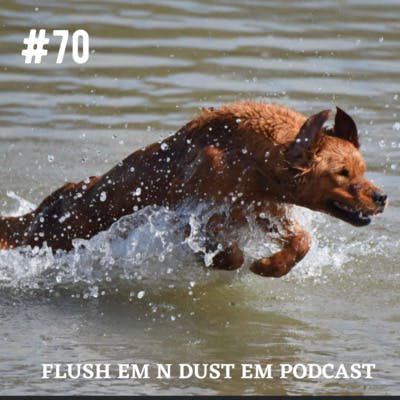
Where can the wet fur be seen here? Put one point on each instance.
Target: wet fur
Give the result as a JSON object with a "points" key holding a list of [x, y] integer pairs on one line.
{"points": [[243, 154]]}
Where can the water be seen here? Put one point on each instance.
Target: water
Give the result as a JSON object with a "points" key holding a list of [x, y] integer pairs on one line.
{"points": [[136, 293]]}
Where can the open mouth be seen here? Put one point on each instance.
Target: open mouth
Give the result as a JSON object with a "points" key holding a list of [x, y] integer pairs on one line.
{"points": [[348, 214]]}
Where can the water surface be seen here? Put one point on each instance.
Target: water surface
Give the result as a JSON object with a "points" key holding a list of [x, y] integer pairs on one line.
{"points": [[152, 65]]}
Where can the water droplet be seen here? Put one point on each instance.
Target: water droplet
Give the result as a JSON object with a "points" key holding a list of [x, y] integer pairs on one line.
{"points": [[103, 196], [137, 192], [140, 294], [396, 126], [164, 146]]}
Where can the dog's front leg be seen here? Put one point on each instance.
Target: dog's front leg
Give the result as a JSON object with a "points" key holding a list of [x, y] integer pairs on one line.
{"points": [[297, 244], [210, 177], [230, 257]]}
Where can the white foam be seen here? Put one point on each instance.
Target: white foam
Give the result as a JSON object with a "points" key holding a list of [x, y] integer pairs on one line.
{"points": [[148, 249]]}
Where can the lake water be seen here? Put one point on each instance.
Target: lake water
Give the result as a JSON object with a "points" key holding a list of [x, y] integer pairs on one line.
{"points": [[140, 297]]}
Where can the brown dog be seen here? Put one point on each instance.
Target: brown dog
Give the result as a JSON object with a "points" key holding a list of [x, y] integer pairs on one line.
{"points": [[251, 156]]}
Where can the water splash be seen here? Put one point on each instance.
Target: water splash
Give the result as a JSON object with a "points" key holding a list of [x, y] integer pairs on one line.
{"points": [[147, 249], [24, 206]]}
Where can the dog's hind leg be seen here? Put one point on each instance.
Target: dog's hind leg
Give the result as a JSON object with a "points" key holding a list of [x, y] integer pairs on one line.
{"points": [[22, 230], [16, 231], [12, 230]]}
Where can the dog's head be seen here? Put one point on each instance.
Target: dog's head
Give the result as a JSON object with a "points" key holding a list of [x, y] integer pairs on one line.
{"points": [[331, 170]]}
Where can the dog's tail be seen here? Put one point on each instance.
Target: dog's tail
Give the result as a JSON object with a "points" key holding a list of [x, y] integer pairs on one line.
{"points": [[12, 230]]}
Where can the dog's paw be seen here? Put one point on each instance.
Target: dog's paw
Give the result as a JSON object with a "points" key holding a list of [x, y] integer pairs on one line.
{"points": [[230, 258], [265, 267]]}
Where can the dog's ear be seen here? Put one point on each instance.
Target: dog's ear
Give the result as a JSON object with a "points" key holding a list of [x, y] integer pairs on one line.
{"points": [[300, 152], [345, 127]]}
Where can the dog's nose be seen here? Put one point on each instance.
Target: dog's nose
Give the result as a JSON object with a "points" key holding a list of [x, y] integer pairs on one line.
{"points": [[379, 198]]}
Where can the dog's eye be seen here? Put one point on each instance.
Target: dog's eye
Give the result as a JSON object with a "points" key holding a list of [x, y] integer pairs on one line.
{"points": [[344, 172]]}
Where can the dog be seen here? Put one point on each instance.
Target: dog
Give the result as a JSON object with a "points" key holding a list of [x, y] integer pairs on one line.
{"points": [[254, 157]]}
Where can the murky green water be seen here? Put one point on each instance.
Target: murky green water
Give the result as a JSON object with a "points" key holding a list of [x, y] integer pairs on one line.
{"points": [[152, 65]]}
